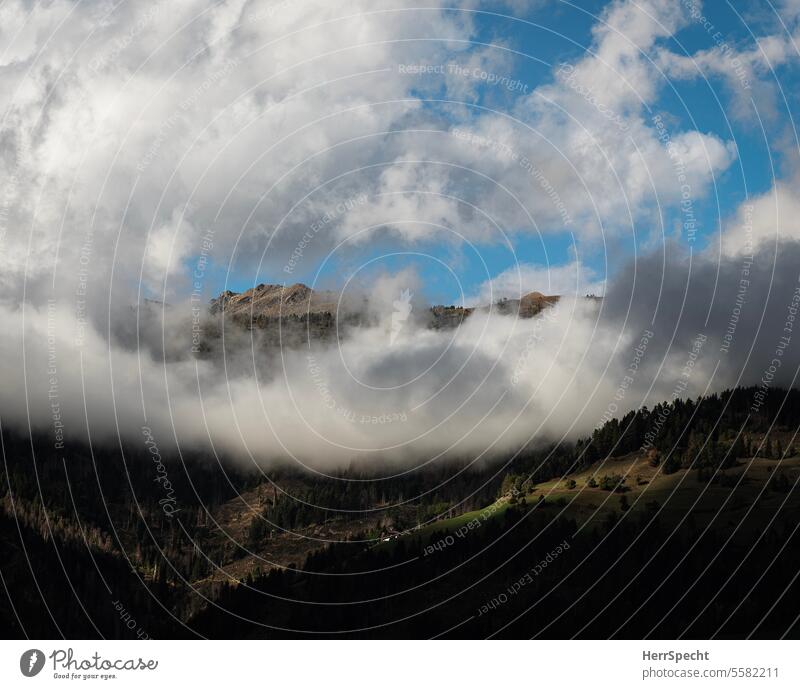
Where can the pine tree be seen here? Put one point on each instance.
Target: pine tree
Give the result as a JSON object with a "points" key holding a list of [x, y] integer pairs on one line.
{"points": [[738, 449]]}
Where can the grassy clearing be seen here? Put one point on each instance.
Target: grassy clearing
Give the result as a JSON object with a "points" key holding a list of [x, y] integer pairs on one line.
{"points": [[759, 483]]}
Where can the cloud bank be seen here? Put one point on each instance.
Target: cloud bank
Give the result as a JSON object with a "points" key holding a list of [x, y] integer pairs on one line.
{"points": [[164, 151]]}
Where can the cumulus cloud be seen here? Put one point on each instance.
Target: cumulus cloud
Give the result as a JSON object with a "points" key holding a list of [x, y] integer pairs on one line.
{"points": [[763, 221], [223, 116], [583, 151], [152, 126]]}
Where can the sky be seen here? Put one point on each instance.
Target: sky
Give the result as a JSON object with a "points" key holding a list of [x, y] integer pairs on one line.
{"points": [[460, 152], [518, 145]]}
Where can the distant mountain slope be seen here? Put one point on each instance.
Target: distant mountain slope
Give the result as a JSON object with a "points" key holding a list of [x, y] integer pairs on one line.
{"points": [[275, 301], [262, 305]]}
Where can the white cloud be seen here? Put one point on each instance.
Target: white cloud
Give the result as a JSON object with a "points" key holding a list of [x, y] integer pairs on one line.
{"points": [[568, 280], [762, 221]]}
